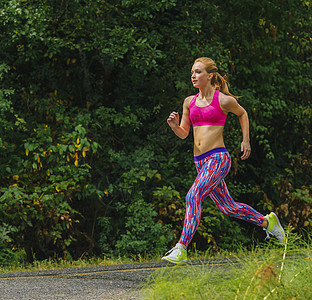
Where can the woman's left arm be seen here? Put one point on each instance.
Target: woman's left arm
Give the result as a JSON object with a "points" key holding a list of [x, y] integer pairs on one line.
{"points": [[229, 104]]}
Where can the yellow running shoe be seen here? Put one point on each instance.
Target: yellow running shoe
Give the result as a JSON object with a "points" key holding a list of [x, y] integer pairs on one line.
{"points": [[275, 228], [176, 255]]}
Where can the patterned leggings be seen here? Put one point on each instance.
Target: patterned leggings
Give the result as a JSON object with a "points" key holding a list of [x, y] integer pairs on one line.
{"points": [[212, 167]]}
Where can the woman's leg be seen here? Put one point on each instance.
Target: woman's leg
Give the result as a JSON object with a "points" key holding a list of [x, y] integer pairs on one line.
{"points": [[211, 171], [223, 200], [221, 197]]}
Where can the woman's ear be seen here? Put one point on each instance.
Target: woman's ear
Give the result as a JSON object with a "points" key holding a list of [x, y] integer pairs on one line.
{"points": [[210, 76]]}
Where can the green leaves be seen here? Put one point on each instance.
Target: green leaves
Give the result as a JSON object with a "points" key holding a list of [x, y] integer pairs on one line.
{"points": [[142, 233], [85, 91]]}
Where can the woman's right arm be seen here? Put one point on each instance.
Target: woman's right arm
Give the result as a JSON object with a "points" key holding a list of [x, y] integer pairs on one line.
{"points": [[183, 129]]}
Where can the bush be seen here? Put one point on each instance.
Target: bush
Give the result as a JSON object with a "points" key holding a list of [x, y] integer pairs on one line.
{"points": [[7, 255], [143, 234]]}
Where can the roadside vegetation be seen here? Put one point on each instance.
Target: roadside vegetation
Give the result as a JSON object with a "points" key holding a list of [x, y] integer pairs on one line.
{"points": [[267, 272], [20, 264], [17, 262]]}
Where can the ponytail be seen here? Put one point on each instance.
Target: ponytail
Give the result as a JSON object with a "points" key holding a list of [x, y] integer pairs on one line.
{"points": [[220, 83]]}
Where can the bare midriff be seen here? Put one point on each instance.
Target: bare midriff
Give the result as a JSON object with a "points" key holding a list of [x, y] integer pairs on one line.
{"points": [[206, 138]]}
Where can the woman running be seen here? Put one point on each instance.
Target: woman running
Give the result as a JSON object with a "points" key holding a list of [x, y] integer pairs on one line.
{"points": [[207, 111]]}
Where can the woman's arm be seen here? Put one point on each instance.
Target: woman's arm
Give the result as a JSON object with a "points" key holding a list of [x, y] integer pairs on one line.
{"points": [[183, 129], [245, 145], [229, 104]]}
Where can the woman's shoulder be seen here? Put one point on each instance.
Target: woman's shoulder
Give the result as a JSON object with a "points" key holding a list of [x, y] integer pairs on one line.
{"points": [[226, 100], [189, 99]]}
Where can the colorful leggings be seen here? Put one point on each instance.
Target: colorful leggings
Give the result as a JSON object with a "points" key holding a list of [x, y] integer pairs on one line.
{"points": [[212, 167]]}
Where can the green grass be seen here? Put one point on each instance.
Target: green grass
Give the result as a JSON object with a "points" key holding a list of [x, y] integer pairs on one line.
{"points": [[18, 265], [270, 271]]}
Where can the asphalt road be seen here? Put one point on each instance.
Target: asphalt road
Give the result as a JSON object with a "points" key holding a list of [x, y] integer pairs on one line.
{"points": [[102, 282]]}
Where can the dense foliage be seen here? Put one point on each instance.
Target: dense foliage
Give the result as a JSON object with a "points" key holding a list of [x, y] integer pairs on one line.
{"points": [[88, 164]]}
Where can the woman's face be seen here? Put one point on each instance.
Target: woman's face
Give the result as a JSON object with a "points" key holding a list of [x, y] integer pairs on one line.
{"points": [[199, 75]]}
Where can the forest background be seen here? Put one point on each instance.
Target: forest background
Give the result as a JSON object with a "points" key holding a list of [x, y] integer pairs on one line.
{"points": [[88, 164]]}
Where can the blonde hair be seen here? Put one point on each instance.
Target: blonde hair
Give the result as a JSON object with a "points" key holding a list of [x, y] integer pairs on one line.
{"points": [[217, 81]]}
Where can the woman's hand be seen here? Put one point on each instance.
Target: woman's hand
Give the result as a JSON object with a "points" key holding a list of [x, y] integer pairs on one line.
{"points": [[181, 130], [246, 149], [173, 120]]}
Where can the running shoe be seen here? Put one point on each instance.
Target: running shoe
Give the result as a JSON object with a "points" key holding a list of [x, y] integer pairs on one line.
{"points": [[176, 255], [274, 228]]}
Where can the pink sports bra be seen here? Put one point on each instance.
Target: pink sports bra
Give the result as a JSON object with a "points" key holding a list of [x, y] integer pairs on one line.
{"points": [[211, 114]]}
